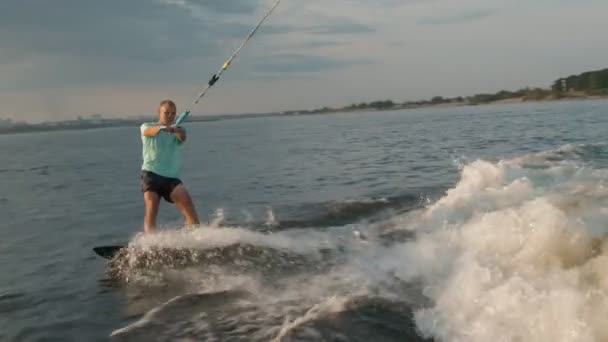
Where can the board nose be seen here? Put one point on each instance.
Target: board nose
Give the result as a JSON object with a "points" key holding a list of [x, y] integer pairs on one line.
{"points": [[107, 252]]}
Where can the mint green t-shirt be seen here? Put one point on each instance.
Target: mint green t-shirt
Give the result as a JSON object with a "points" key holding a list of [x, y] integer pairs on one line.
{"points": [[161, 153]]}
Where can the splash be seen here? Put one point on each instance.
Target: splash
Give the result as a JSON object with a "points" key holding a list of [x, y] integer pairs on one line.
{"points": [[331, 305], [218, 217], [271, 220], [209, 236]]}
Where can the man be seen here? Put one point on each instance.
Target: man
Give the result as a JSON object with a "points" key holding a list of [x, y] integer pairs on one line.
{"points": [[161, 166]]}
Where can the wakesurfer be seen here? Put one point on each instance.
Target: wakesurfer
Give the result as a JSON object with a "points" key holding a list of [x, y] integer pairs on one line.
{"points": [[160, 170]]}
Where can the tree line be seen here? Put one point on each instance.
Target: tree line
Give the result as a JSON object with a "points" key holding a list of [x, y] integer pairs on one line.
{"points": [[590, 83]]}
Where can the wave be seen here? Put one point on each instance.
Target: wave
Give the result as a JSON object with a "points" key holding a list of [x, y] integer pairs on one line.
{"points": [[45, 170], [42, 170], [322, 215], [10, 302], [515, 250]]}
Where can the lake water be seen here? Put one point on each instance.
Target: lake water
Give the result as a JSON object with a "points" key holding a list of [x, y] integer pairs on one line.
{"points": [[455, 224]]}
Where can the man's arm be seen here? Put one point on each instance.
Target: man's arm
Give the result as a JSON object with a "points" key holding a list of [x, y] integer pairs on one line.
{"points": [[151, 131]]}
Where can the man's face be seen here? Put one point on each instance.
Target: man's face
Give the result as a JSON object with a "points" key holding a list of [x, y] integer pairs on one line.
{"points": [[167, 114]]}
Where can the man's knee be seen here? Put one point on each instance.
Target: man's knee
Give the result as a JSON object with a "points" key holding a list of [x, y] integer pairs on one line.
{"points": [[180, 194]]}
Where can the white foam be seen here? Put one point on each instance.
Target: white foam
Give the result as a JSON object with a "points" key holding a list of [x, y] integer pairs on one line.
{"points": [[208, 236]]}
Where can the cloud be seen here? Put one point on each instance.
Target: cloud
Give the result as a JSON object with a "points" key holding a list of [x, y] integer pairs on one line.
{"points": [[201, 7], [341, 27], [314, 44], [464, 17], [303, 63], [338, 26]]}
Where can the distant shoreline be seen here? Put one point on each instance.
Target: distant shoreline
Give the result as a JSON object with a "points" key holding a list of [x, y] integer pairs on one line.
{"points": [[590, 85], [519, 100], [85, 124]]}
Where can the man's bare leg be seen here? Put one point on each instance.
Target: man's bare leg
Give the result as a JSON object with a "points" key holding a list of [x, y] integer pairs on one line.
{"points": [[151, 201], [183, 202]]}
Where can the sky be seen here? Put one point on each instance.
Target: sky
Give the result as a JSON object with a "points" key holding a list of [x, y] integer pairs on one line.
{"points": [[60, 59]]}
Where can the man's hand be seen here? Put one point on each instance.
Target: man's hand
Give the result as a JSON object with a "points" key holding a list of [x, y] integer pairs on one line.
{"points": [[180, 133]]}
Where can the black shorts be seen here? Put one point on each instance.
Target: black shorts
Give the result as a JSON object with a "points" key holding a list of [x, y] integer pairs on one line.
{"points": [[161, 185]]}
